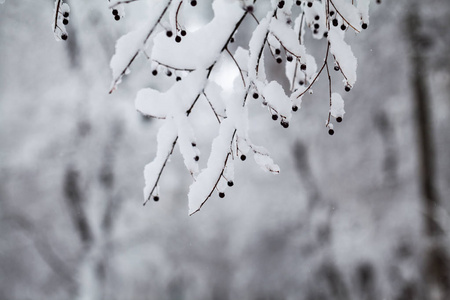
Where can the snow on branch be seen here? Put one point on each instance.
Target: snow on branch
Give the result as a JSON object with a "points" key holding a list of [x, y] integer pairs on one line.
{"points": [[190, 55], [60, 20], [129, 46]]}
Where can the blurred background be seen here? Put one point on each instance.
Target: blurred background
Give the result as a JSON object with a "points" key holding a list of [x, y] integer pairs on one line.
{"points": [[363, 214]]}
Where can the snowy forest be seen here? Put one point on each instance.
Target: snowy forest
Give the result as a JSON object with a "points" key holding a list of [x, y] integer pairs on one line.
{"points": [[322, 204]]}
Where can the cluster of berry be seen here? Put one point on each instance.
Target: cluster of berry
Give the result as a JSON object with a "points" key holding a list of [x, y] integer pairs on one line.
{"points": [[168, 72], [61, 19], [115, 13]]}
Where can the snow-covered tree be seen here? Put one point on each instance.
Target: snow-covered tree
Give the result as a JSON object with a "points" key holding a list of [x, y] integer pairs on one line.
{"points": [[195, 55], [343, 220]]}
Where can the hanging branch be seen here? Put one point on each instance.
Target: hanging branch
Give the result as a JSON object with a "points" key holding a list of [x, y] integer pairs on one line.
{"points": [[228, 18], [188, 112], [150, 32]]}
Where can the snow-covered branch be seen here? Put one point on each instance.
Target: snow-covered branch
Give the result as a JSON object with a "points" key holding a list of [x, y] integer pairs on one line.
{"points": [[193, 54]]}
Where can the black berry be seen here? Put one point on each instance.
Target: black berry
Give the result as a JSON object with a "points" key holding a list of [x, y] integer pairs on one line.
{"points": [[316, 26], [284, 123], [196, 158], [169, 33], [364, 26], [281, 4], [155, 72], [294, 108], [64, 36], [66, 14], [117, 17], [155, 198], [277, 51], [178, 39], [330, 131], [317, 17], [243, 157], [336, 68], [194, 144], [230, 183], [339, 119], [303, 67], [221, 194], [249, 8], [310, 4], [232, 40], [301, 82], [279, 60], [274, 117], [183, 32], [169, 73], [255, 95], [335, 22], [347, 88], [289, 58], [343, 27], [298, 2], [65, 21], [325, 34], [178, 78], [193, 3]]}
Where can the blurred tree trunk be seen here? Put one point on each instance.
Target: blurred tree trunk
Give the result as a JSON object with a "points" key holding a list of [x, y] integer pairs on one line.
{"points": [[390, 162], [424, 127], [437, 284], [92, 271], [328, 278]]}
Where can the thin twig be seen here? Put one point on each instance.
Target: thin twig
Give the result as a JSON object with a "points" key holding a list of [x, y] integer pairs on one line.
{"points": [[161, 171], [237, 65], [218, 179], [349, 24], [121, 2], [58, 4], [318, 74], [173, 68], [176, 15], [118, 78], [329, 89], [212, 107]]}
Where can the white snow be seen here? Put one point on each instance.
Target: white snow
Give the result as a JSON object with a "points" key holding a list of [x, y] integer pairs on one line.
{"points": [[363, 7], [167, 135], [129, 45], [178, 99], [203, 187], [343, 54], [348, 12], [204, 45], [337, 105], [263, 159], [275, 96], [288, 38], [255, 45]]}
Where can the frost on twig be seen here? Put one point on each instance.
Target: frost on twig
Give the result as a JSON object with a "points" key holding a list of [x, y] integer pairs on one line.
{"points": [[192, 55]]}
